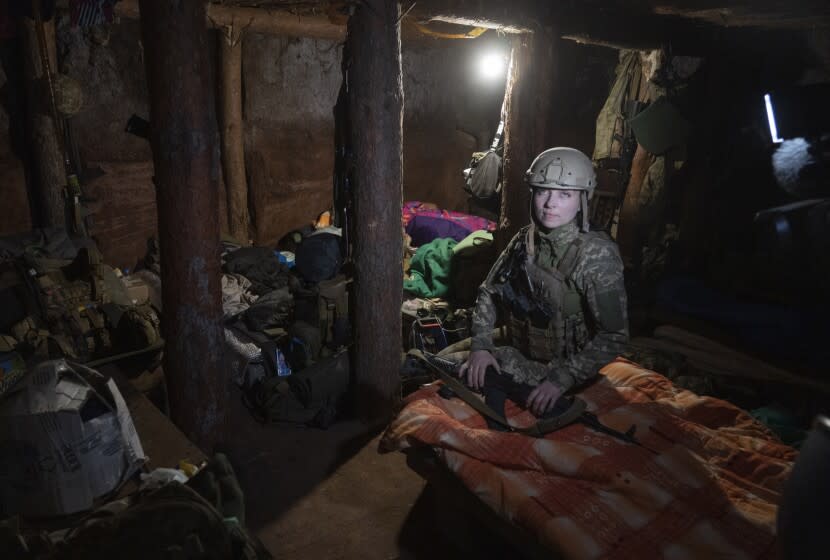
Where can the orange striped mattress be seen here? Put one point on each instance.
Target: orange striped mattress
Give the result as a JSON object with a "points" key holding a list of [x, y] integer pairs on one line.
{"points": [[710, 491]]}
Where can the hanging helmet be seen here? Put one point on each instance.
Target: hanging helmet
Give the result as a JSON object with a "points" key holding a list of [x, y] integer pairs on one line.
{"points": [[562, 168]]}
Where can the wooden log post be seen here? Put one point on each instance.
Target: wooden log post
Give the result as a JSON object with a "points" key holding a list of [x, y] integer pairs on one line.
{"points": [[45, 141], [372, 70], [184, 141], [258, 20], [528, 118], [630, 230], [233, 149]]}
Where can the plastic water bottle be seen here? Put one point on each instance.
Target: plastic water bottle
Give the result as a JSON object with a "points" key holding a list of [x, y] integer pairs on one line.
{"points": [[283, 369]]}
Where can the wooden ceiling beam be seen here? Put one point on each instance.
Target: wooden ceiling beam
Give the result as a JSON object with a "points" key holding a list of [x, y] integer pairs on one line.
{"points": [[479, 22], [616, 24], [257, 20], [517, 16], [608, 24], [641, 25], [794, 14]]}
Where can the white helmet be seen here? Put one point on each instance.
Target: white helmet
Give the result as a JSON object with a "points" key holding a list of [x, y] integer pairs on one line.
{"points": [[562, 168]]}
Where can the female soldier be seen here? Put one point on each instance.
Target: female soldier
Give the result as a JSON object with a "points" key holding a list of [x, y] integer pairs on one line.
{"points": [[558, 287]]}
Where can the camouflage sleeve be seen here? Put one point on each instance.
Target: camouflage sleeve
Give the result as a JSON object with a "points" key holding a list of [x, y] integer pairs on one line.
{"points": [[599, 278], [485, 312]]}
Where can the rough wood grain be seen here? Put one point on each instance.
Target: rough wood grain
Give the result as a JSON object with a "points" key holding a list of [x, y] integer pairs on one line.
{"points": [[49, 174], [233, 155], [629, 230], [529, 123], [274, 22], [372, 68], [185, 141]]}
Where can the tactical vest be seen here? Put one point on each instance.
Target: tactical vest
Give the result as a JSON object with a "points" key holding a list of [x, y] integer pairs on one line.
{"points": [[80, 310], [543, 309]]}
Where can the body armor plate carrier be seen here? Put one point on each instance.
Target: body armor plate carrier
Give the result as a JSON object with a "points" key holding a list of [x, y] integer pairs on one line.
{"points": [[542, 306]]}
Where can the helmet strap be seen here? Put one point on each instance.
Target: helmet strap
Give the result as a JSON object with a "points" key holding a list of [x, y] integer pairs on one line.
{"points": [[530, 244], [583, 203]]}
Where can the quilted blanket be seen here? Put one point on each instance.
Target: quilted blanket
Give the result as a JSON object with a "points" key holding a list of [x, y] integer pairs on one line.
{"points": [[424, 223], [705, 483]]}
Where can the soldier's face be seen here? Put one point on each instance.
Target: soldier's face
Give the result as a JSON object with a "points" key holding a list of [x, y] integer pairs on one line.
{"points": [[555, 207]]}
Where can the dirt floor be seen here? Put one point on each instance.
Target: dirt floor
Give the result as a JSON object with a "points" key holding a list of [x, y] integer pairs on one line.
{"points": [[329, 494]]}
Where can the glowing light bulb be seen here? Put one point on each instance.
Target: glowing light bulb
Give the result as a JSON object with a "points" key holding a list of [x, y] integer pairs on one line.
{"points": [[491, 66]]}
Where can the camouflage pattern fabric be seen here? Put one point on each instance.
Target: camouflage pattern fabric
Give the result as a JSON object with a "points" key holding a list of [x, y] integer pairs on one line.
{"points": [[593, 337]]}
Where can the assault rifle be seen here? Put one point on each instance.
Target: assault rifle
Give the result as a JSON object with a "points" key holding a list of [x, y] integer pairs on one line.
{"points": [[498, 388]]}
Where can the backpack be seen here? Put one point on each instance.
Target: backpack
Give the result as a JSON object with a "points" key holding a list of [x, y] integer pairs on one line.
{"points": [[311, 396], [318, 257], [324, 306], [484, 175], [172, 521]]}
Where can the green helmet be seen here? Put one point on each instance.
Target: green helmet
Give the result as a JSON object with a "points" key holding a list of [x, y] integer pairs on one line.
{"points": [[562, 168]]}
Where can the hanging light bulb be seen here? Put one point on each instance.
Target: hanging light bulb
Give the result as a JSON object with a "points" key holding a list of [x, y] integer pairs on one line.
{"points": [[492, 65]]}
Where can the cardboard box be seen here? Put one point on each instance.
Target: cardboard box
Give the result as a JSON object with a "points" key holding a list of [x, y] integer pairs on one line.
{"points": [[66, 438], [137, 289]]}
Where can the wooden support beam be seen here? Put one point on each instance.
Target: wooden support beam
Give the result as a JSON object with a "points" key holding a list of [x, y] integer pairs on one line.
{"points": [[184, 140], [598, 22], [609, 26], [372, 70], [257, 20], [794, 14], [612, 26], [595, 22], [529, 96], [517, 16], [45, 140], [629, 229], [233, 148], [480, 22]]}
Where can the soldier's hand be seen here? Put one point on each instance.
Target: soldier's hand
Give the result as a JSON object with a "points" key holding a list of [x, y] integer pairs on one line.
{"points": [[476, 366], [543, 397]]}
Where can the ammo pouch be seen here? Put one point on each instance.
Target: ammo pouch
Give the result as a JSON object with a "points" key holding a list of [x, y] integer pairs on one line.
{"points": [[561, 338], [139, 327], [550, 322], [538, 341], [333, 306]]}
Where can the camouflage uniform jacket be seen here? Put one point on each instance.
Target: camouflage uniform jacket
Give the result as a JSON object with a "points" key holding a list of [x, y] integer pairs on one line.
{"points": [[597, 278]]}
